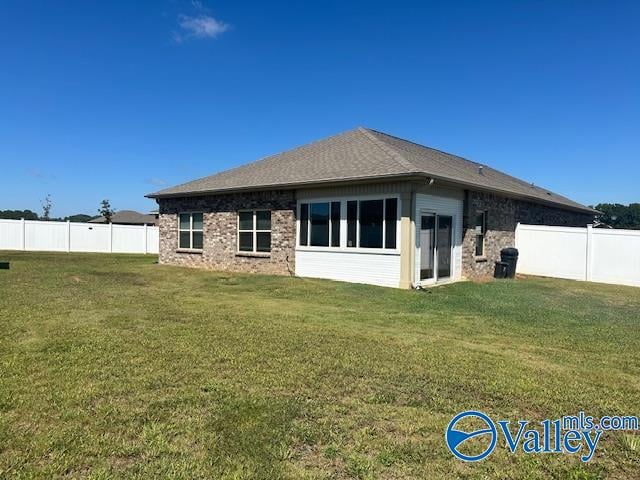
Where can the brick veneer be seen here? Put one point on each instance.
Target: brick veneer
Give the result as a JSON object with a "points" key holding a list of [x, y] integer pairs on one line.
{"points": [[502, 217], [220, 251]]}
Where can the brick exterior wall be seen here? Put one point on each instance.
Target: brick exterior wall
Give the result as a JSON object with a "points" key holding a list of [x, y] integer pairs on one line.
{"points": [[503, 214], [220, 214]]}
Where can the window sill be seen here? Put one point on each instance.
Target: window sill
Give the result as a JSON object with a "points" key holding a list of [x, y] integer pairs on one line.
{"points": [[196, 251], [480, 259], [254, 254], [375, 251]]}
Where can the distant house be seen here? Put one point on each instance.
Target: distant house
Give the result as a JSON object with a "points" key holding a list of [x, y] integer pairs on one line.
{"points": [[129, 217], [362, 206]]}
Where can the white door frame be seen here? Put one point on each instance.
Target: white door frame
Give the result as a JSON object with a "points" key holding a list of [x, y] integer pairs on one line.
{"points": [[435, 280]]}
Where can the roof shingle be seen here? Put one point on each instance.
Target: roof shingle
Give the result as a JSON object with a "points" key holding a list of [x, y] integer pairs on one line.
{"points": [[362, 154]]}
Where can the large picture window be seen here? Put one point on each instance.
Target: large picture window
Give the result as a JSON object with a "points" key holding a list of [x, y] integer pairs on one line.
{"points": [[369, 223], [190, 231], [254, 231]]}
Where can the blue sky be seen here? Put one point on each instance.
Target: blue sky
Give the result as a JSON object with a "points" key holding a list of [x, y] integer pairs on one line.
{"points": [[117, 99]]}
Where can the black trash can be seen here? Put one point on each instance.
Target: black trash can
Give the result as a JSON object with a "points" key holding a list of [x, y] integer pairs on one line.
{"points": [[500, 270], [510, 257]]}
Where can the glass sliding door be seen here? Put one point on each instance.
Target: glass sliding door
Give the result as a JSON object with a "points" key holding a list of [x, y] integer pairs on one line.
{"points": [[427, 246], [436, 247], [444, 242]]}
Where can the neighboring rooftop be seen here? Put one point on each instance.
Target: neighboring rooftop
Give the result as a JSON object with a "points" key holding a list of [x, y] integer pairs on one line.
{"points": [[363, 154], [128, 217]]}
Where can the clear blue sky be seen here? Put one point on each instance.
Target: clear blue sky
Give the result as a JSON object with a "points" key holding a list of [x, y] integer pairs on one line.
{"points": [[116, 99]]}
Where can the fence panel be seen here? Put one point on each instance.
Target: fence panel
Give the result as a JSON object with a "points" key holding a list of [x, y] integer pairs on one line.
{"points": [[616, 256], [90, 237], [153, 240], [32, 235], [128, 239], [11, 234], [45, 236], [598, 255]]}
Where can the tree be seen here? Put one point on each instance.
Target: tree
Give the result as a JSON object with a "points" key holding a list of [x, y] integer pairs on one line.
{"points": [[80, 217], [46, 207], [18, 214], [620, 216], [105, 210]]}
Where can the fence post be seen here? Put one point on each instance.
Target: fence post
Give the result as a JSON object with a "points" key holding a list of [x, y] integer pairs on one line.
{"points": [[110, 237], [68, 236], [23, 241], [145, 238], [589, 252]]}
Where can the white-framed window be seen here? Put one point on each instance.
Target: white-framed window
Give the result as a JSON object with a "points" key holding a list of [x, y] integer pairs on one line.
{"points": [[320, 224], [480, 232], [254, 231], [190, 230], [370, 223]]}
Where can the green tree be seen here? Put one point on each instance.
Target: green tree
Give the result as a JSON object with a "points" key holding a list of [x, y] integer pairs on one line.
{"points": [[105, 210], [18, 214], [80, 217], [46, 207], [620, 216]]}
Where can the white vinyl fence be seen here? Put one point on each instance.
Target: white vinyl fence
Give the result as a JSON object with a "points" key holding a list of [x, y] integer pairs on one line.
{"points": [[591, 254], [32, 235]]}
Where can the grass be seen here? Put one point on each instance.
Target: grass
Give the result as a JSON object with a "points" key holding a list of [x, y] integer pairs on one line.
{"points": [[113, 366]]}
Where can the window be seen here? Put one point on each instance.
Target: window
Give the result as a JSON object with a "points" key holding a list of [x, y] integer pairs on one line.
{"points": [[371, 215], [480, 232], [352, 223], [304, 224], [254, 231], [190, 231], [335, 224], [390, 220], [369, 223], [320, 224]]}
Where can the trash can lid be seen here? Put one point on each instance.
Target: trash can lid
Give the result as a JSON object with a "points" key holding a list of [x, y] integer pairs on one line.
{"points": [[512, 252]]}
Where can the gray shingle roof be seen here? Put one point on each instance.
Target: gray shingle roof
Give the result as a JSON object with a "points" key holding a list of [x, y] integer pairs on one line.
{"points": [[130, 217], [362, 154]]}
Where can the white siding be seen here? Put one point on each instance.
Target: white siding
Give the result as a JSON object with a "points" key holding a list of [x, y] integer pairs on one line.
{"points": [[371, 268], [443, 202]]}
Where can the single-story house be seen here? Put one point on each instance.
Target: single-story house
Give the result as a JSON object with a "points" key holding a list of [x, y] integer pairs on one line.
{"points": [[362, 206], [129, 217]]}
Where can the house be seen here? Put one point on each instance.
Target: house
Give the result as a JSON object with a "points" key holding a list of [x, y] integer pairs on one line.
{"points": [[129, 217], [361, 206]]}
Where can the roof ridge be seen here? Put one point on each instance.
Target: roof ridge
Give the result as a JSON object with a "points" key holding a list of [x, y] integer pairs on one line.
{"points": [[390, 151], [473, 162]]}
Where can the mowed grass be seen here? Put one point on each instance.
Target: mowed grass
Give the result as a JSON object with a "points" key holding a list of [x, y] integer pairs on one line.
{"points": [[116, 367]]}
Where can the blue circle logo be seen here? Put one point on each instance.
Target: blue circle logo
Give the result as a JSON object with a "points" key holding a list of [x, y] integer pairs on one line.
{"points": [[455, 438]]}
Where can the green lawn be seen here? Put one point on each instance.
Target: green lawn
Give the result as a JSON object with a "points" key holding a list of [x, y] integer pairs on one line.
{"points": [[113, 366]]}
